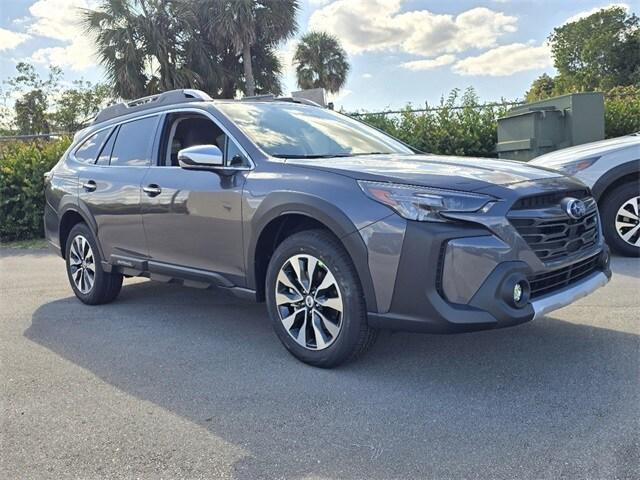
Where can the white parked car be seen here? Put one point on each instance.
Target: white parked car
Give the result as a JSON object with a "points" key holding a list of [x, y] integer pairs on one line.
{"points": [[611, 168]]}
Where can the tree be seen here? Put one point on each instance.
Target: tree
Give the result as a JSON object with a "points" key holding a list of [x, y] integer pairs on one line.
{"points": [[30, 109], [597, 52], [541, 88], [43, 106], [77, 105], [321, 62], [31, 113], [134, 45], [221, 46]]}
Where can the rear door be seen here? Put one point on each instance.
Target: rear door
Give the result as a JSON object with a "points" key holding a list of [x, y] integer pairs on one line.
{"points": [[110, 188]]}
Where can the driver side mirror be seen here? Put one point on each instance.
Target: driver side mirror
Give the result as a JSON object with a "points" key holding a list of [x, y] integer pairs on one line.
{"points": [[201, 157]]}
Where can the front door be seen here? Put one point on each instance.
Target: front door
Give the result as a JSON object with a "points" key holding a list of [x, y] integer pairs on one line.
{"points": [[193, 218]]}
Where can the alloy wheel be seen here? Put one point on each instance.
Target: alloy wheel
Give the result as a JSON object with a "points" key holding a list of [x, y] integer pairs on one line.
{"points": [[309, 302], [628, 221], [82, 264]]}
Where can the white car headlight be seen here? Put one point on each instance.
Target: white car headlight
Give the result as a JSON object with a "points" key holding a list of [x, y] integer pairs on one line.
{"points": [[422, 203]]}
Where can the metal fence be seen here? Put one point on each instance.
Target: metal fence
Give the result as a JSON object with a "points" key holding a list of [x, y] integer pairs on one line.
{"points": [[42, 136], [461, 107]]}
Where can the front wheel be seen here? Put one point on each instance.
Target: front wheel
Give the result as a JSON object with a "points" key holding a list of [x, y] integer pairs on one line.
{"points": [[315, 300], [621, 219], [91, 284]]}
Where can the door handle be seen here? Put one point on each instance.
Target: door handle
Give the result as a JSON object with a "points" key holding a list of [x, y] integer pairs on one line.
{"points": [[152, 190], [89, 186]]}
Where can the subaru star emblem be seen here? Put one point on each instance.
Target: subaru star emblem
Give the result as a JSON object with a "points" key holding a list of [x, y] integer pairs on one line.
{"points": [[574, 207]]}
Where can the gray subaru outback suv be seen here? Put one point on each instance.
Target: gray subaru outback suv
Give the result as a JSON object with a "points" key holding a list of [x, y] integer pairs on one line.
{"points": [[341, 229]]}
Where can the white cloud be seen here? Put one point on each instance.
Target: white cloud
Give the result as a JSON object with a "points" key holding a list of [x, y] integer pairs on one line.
{"points": [[285, 55], [367, 76], [430, 64], [78, 56], [506, 60], [586, 13], [10, 39], [60, 20], [373, 25]]}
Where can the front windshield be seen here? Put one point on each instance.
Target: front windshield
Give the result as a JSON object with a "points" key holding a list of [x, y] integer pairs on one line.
{"points": [[291, 130]]}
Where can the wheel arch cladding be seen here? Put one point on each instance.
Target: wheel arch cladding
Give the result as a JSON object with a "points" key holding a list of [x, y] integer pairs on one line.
{"points": [[283, 214], [70, 218], [627, 172]]}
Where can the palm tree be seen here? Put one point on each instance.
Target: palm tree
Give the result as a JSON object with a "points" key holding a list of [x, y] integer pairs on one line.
{"points": [[244, 22], [220, 46], [118, 36], [321, 62]]}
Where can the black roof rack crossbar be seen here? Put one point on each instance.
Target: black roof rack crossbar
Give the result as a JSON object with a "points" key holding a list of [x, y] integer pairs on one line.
{"points": [[152, 101]]}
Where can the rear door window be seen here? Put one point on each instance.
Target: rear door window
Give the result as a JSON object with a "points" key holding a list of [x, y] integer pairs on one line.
{"points": [[87, 152], [134, 143]]}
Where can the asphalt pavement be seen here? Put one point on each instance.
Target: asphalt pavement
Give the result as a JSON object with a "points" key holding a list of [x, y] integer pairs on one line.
{"points": [[170, 382]]}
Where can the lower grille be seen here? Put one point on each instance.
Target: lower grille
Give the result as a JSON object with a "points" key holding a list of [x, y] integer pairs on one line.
{"points": [[549, 282], [552, 235]]}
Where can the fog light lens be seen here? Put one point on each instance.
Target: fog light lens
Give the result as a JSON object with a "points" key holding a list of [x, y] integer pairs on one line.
{"points": [[517, 293]]}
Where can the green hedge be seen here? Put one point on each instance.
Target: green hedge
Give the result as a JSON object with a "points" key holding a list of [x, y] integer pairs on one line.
{"points": [[22, 169], [463, 126], [460, 126], [622, 111]]}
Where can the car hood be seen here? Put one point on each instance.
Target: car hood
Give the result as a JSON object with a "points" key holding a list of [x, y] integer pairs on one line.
{"points": [[458, 173], [587, 150]]}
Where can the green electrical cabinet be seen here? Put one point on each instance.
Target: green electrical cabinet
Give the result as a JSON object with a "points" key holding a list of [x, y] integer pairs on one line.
{"points": [[534, 129]]}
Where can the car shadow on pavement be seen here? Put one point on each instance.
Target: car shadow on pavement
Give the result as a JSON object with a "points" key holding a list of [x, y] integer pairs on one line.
{"points": [[214, 360]]}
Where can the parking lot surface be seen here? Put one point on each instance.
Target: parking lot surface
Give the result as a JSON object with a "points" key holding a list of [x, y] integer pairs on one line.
{"points": [[171, 382]]}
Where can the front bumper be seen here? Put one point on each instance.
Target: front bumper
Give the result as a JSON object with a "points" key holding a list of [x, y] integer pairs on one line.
{"points": [[483, 274], [567, 296]]}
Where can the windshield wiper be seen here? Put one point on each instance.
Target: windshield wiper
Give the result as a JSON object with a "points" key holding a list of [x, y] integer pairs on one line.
{"points": [[325, 155], [372, 153]]}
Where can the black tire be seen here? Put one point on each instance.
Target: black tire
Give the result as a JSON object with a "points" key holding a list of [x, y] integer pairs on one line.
{"points": [[609, 207], [355, 336], [106, 286]]}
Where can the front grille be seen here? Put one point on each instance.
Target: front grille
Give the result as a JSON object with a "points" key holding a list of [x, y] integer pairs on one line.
{"points": [[549, 282], [548, 199], [552, 234]]}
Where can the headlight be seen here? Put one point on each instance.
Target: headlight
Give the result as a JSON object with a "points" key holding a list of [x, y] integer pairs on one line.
{"points": [[424, 204], [575, 166]]}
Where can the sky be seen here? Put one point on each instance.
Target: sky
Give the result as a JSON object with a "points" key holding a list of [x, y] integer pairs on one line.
{"points": [[400, 51]]}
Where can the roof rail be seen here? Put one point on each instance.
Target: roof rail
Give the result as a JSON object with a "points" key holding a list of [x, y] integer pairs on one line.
{"points": [[266, 97], [167, 98], [272, 98]]}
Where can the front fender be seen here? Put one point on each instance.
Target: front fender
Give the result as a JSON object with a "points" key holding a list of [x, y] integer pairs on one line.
{"points": [[278, 204]]}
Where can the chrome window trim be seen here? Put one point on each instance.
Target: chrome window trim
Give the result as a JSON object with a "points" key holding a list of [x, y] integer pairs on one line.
{"points": [[201, 111]]}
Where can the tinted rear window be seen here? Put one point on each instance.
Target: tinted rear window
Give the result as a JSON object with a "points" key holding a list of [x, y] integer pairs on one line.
{"points": [[133, 143], [88, 151]]}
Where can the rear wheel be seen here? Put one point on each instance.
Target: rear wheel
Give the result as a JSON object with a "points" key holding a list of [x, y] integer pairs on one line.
{"points": [[91, 284], [315, 300], [621, 219]]}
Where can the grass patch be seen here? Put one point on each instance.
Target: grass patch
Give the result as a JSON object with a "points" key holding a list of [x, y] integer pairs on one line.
{"points": [[25, 244]]}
